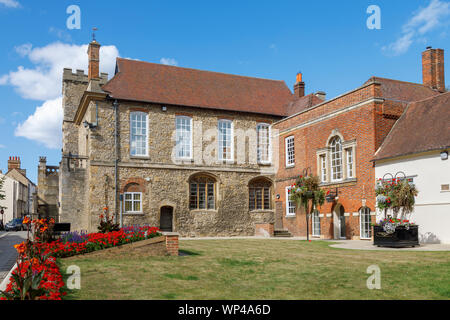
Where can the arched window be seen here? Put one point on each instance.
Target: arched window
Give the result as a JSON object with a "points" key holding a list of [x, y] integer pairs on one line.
{"points": [[364, 221], [202, 193], [336, 158], [316, 224], [260, 194]]}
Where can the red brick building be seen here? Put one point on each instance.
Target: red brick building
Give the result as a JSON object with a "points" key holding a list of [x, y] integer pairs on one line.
{"points": [[336, 140]]}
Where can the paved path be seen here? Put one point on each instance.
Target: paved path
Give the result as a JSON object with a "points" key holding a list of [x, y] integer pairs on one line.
{"points": [[342, 244], [8, 253], [367, 245]]}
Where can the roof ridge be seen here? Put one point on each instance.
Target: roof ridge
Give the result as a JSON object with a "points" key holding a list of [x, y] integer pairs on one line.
{"points": [[402, 81], [216, 72], [429, 98]]}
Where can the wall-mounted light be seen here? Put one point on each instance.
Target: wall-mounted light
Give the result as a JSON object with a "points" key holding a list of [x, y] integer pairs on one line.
{"points": [[444, 155], [164, 108], [89, 125], [278, 197]]}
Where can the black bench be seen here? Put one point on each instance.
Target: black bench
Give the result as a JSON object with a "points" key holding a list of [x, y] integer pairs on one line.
{"points": [[58, 228]]}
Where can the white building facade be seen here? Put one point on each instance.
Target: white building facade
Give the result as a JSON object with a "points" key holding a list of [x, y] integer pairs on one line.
{"points": [[430, 172], [15, 203]]}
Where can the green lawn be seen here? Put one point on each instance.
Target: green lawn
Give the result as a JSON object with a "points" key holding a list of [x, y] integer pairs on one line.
{"points": [[264, 269]]}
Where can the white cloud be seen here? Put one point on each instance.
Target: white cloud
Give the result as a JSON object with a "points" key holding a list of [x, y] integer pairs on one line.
{"points": [[169, 61], [43, 81], [61, 34], [423, 21], [24, 49], [2, 146], [44, 126], [10, 3]]}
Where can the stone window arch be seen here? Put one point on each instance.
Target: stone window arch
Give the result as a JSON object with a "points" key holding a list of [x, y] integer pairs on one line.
{"points": [[260, 194], [202, 192]]}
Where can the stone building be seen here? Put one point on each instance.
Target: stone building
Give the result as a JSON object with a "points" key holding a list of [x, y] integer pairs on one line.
{"points": [[19, 191], [206, 153], [337, 140], [48, 192], [182, 149]]}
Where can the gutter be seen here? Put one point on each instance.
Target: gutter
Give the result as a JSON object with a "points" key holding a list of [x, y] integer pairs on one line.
{"points": [[116, 160]]}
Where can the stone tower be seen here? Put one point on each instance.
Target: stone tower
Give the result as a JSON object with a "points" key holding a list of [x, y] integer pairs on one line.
{"points": [[73, 172]]}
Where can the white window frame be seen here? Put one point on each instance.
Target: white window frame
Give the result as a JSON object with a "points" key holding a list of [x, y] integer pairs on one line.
{"points": [[361, 224], [288, 204], [269, 145], [178, 133], [350, 155], [146, 134], [219, 136], [287, 151], [315, 216], [333, 171], [133, 201], [323, 163]]}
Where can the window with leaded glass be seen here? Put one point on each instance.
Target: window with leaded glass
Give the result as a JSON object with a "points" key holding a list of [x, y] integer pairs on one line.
{"points": [[225, 128], [263, 136], [316, 224], [290, 151], [202, 193], [364, 221], [183, 137], [349, 155], [138, 133], [290, 205], [133, 202], [323, 168], [336, 158], [260, 195]]}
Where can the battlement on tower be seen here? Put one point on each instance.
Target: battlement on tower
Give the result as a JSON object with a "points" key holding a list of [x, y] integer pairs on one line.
{"points": [[81, 77]]}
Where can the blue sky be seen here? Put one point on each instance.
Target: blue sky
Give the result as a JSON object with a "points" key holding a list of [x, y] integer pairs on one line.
{"points": [[328, 41]]}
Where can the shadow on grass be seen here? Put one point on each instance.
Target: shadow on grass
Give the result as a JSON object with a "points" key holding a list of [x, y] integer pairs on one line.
{"points": [[184, 252], [236, 263], [180, 276]]}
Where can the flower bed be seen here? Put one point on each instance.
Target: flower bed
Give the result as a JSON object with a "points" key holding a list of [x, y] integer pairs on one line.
{"points": [[85, 243], [48, 286], [37, 276]]}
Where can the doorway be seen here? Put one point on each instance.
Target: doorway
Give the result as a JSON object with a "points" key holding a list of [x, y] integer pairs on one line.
{"points": [[342, 223], [166, 219], [339, 223]]}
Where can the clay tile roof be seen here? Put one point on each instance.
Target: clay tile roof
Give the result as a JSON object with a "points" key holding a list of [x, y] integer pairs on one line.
{"points": [[299, 104], [424, 126], [158, 83], [403, 91]]}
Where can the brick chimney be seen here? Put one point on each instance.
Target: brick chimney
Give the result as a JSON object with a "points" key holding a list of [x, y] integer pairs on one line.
{"points": [[299, 87], [433, 69], [94, 60], [13, 163]]}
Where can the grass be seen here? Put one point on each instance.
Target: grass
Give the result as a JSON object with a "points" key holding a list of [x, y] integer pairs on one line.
{"points": [[264, 269]]}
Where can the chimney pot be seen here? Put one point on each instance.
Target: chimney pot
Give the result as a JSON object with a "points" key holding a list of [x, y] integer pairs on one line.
{"points": [[299, 87]]}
